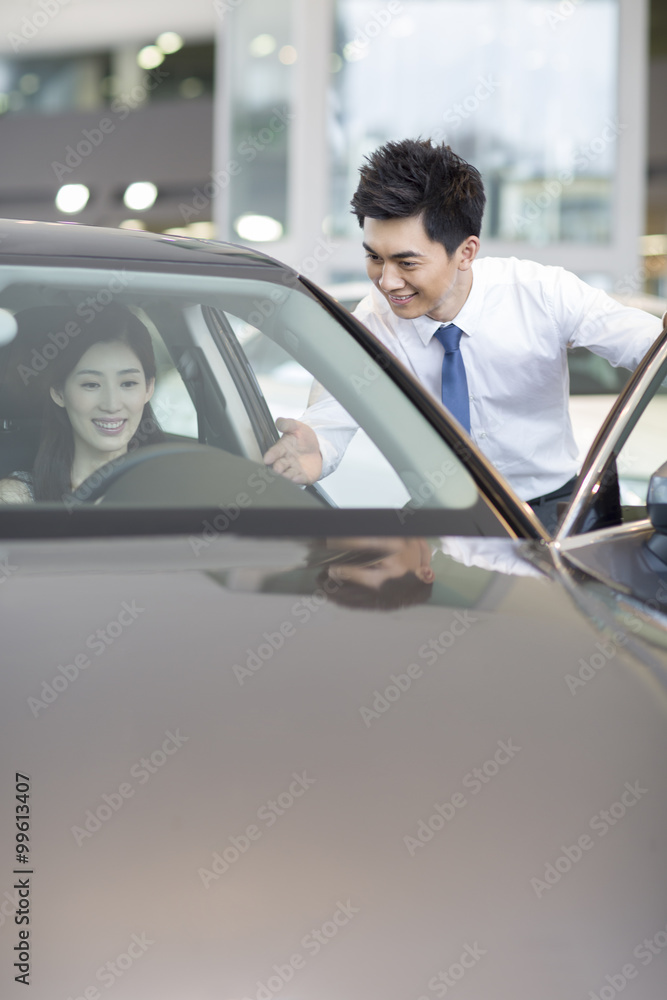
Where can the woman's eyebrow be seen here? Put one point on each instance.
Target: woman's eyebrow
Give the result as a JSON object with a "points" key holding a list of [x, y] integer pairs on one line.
{"points": [[123, 371]]}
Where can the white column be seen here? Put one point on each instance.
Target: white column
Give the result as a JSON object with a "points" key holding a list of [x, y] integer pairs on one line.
{"points": [[222, 116], [629, 205], [308, 170], [308, 163]]}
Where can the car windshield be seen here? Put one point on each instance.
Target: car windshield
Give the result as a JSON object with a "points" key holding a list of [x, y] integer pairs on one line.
{"points": [[232, 354]]}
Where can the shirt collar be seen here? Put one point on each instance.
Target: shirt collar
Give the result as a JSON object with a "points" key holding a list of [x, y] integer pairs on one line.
{"points": [[467, 317]]}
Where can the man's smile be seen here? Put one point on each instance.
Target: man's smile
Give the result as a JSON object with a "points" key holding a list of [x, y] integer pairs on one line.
{"points": [[400, 300]]}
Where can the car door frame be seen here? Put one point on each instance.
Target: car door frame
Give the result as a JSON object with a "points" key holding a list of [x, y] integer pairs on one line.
{"points": [[614, 432]]}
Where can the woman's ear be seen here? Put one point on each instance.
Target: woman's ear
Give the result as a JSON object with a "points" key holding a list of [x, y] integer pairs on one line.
{"points": [[150, 389], [57, 397]]}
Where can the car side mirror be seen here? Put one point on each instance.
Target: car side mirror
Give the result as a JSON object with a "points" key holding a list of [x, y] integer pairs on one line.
{"points": [[656, 505]]}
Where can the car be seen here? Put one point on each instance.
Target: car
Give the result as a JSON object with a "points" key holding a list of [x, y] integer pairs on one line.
{"points": [[383, 739]]}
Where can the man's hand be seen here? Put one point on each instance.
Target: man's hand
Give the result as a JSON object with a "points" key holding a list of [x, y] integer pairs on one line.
{"points": [[297, 455]]}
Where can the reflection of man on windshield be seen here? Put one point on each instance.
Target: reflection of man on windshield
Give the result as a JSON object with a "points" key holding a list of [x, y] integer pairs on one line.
{"points": [[387, 574], [394, 558], [379, 572], [391, 573]]}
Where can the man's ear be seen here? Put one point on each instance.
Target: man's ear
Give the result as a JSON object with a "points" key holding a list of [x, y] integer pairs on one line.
{"points": [[424, 571], [467, 252], [57, 397], [425, 574]]}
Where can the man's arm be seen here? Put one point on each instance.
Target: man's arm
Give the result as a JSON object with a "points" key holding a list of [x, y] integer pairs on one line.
{"points": [[311, 448], [588, 317]]}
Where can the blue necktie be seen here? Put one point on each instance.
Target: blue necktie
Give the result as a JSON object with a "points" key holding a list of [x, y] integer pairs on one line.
{"points": [[454, 381]]}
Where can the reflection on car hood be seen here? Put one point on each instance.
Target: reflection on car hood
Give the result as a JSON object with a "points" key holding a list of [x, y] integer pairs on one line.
{"points": [[270, 787]]}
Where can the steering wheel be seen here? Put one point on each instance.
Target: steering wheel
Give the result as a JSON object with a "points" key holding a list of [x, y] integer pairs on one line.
{"points": [[187, 474], [99, 482]]}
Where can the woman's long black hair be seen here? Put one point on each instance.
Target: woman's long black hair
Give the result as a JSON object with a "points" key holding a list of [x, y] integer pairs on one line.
{"points": [[53, 465]]}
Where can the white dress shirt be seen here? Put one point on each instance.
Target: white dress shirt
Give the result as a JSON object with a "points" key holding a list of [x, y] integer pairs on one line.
{"points": [[518, 321]]}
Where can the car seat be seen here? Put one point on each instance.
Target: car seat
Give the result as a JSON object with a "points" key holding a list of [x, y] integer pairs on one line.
{"points": [[24, 370]]}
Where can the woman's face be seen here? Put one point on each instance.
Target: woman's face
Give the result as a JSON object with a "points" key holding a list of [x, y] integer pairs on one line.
{"points": [[104, 397]]}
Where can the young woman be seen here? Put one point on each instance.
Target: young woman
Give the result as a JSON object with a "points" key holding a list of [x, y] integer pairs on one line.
{"points": [[97, 393]]}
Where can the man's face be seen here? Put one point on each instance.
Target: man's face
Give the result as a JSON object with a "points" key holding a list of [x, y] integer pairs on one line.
{"points": [[415, 274], [395, 558]]}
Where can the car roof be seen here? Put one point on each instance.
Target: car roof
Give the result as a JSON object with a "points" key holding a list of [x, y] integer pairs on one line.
{"points": [[23, 238]]}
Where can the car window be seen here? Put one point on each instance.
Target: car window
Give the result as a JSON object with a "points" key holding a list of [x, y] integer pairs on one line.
{"points": [[364, 477], [616, 473], [591, 375], [642, 453], [232, 354]]}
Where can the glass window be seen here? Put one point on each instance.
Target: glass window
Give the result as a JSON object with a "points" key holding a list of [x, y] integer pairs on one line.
{"points": [[643, 452], [231, 355], [261, 52], [639, 451], [46, 84], [286, 387], [532, 104]]}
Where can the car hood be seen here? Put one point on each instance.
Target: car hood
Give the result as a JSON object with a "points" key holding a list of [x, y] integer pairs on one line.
{"points": [[271, 788]]}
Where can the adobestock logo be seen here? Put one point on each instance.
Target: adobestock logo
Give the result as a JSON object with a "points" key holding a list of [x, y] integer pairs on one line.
{"points": [[446, 979], [115, 969], [97, 642], [645, 952], [474, 781], [269, 814], [142, 770], [312, 943], [358, 47], [572, 853]]}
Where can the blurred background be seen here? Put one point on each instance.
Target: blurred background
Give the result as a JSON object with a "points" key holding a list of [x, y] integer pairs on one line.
{"points": [[247, 120]]}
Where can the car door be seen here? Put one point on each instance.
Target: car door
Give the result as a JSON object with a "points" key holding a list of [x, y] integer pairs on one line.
{"points": [[606, 541]]}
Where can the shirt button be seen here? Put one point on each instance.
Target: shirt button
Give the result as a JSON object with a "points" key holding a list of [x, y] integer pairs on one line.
{"points": [[482, 434], [471, 398]]}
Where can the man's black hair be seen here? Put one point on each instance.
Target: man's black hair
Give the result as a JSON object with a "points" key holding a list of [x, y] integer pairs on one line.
{"points": [[397, 592], [413, 177]]}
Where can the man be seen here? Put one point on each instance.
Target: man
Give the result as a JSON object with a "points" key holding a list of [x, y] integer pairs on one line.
{"points": [[486, 336]]}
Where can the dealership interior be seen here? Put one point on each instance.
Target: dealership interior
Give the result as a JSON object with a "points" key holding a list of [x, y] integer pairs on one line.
{"points": [[247, 120]]}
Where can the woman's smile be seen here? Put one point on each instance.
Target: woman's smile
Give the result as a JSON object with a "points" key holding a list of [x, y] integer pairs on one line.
{"points": [[104, 398], [110, 426]]}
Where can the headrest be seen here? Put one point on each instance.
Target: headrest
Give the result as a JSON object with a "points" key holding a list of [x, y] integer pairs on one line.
{"points": [[26, 364]]}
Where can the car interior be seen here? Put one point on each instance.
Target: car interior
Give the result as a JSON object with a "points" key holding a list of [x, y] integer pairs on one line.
{"points": [[231, 355], [193, 466]]}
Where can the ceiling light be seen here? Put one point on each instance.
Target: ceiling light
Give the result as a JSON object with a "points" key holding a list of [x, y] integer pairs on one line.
{"points": [[258, 228], [150, 56], [140, 195], [287, 55], [262, 45], [72, 198], [169, 41]]}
